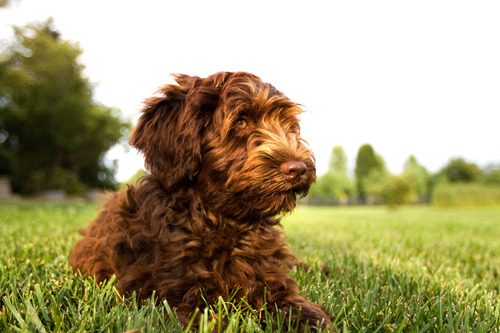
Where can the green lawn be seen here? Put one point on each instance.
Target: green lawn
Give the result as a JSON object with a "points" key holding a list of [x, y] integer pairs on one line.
{"points": [[418, 269]]}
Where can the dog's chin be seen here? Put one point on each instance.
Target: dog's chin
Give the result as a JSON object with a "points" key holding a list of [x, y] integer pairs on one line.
{"points": [[279, 202], [271, 197], [289, 201], [301, 188], [273, 204]]}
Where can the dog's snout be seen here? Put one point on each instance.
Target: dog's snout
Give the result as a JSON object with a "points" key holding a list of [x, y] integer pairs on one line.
{"points": [[293, 169]]}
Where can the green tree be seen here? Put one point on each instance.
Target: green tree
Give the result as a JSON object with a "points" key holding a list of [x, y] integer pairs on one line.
{"points": [[343, 186], [323, 191], [338, 161], [52, 133], [418, 178], [459, 170], [369, 166], [335, 185]]}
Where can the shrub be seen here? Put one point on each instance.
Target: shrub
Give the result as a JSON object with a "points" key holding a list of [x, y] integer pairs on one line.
{"points": [[465, 194], [459, 170], [492, 176], [390, 189], [331, 188], [56, 179], [419, 179]]}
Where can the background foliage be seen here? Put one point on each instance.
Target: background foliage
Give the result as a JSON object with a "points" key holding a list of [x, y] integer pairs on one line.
{"points": [[53, 135], [459, 182]]}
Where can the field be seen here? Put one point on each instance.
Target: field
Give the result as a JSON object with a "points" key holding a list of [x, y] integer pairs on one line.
{"points": [[417, 269]]}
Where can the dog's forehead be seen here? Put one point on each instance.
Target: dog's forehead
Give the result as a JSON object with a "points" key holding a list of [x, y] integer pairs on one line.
{"points": [[254, 96]]}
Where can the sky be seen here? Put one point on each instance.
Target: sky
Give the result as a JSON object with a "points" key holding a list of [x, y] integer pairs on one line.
{"points": [[408, 77]]}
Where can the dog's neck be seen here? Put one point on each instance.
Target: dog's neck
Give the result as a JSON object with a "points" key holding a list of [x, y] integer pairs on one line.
{"points": [[204, 207]]}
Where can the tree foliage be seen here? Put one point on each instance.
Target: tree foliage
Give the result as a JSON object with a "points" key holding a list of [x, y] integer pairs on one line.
{"points": [[338, 161], [52, 133], [376, 185], [335, 185], [418, 178], [368, 163], [390, 189], [459, 170]]}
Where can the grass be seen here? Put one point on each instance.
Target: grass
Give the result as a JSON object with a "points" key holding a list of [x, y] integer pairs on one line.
{"points": [[417, 269]]}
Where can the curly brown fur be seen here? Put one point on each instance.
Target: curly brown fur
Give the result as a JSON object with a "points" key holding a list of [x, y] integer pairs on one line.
{"points": [[225, 156]]}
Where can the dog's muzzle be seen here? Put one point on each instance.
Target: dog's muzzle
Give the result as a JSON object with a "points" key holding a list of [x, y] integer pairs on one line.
{"points": [[292, 170], [296, 173]]}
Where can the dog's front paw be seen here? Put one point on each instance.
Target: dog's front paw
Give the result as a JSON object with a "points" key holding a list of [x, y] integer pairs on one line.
{"points": [[307, 314], [311, 315]]}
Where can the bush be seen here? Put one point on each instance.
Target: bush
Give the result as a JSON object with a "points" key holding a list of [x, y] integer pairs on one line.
{"points": [[419, 180], [465, 194], [459, 170], [331, 188], [492, 176], [56, 179], [389, 189]]}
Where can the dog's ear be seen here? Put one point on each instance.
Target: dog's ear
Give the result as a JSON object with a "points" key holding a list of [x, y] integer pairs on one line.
{"points": [[170, 129]]}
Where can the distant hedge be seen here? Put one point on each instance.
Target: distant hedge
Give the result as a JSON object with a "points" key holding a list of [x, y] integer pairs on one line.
{"points": [[466, 194]]}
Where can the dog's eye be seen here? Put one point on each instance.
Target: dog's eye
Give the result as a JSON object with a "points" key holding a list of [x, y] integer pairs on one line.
{"points": [[241, 123]]}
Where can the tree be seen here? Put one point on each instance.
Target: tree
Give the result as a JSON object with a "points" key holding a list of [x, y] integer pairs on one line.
{"points": [[338, 161], [367, 164], [323, 191], [459, 170], [335, 185], [52, 133], [343, 187], [418, 178]]}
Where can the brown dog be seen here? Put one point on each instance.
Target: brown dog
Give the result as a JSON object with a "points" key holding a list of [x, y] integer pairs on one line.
{"points": [[225, 157]]}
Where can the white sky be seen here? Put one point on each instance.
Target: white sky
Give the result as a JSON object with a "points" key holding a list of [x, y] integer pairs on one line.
{"points": [[409, 77]]}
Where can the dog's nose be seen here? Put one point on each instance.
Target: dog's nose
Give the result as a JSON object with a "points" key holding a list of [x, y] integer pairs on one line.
{"points": [[293, 169]]}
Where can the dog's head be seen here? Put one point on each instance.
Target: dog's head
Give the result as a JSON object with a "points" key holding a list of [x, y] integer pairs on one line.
{"points": [[231, 136]]}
